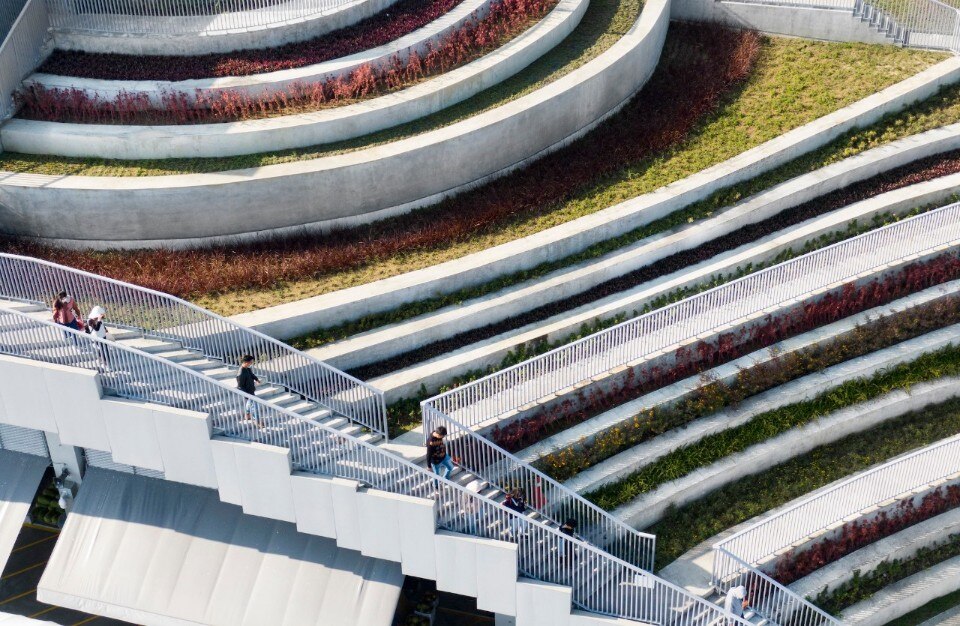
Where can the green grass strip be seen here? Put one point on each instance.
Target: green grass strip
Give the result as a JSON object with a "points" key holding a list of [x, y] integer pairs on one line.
{"points": [[862, 587], [683, 528]]}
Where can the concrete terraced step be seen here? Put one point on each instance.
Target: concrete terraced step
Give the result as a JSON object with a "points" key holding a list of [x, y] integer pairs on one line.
{"points": [[433, 373]]}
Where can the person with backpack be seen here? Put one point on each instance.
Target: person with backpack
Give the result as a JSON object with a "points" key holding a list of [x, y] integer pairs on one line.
{"points": [[97, 328], [247, 382], [437, 454]]}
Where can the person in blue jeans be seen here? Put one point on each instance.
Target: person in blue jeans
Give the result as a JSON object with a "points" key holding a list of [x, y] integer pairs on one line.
{"points": [[437, 454]]}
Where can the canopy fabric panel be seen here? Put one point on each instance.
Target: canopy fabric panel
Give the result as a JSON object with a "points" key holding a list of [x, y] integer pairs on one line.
{"points": [[20, 475], [151, 551]]}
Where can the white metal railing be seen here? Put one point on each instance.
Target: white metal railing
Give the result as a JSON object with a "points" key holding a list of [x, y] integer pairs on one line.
{"points": [[915, 23], [21, 51], [480, 403], [551, 498], [161, 315], [9, 12], [180, 17], [736, 558], [600, 583]]}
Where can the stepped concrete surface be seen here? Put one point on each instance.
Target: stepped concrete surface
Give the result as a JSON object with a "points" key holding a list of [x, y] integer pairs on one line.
{"points": [[649, 507], [323, 126], [296, 318], [798, 390], [410, 334], [902, 545], [905, 595], [438, 371]]}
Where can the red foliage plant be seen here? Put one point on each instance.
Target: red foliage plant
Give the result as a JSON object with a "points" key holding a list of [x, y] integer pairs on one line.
{"points": [[849, 299], [505, 19], [854, 535], [699, 65], [400, 19]]}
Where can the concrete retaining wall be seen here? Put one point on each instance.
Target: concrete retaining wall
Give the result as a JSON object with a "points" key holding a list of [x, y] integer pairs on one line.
{"points": [[293, 30], [649, 507], [296, 318], [827, 24], [69, 402], [191, 209], [306, 129], [267, 82]]}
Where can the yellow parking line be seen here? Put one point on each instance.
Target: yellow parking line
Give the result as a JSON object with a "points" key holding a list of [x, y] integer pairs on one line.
{"points": [[34, 543], [44, 612], [26, 569], [88, 620], [18, 596], [55, 531]]}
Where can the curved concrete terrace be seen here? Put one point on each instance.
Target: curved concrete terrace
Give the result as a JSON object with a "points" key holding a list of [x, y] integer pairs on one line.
{"points": [[209, 34], [197, 209], [268, 82], [306, 129]]}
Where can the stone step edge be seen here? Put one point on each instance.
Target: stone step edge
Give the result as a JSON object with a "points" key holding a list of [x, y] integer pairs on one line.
{"points": [[798, 390], [649, 507], [396, 338]]}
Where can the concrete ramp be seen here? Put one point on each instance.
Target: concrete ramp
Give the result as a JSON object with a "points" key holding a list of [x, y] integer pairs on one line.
{"points": [[156, 552], [20, 475]]}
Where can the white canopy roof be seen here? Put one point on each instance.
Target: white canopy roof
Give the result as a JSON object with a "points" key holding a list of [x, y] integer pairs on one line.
{"points": [[151, 551], [20, 475]]}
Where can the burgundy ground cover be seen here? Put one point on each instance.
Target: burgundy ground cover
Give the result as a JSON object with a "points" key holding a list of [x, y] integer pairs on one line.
{"points": [[836, 305], [701, 64], [506, 19], [854, 535], [403, 17], [910, 174]]}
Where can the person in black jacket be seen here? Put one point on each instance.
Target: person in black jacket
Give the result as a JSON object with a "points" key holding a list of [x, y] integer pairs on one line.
{"points": [[437, 454], [247, 382], [515, 501]]}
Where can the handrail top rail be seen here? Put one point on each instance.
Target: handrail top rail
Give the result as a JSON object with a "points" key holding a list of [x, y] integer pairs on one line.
{"points": [[189, 305], [487, 442], [703, 294], [368, 446], [840, 485]]}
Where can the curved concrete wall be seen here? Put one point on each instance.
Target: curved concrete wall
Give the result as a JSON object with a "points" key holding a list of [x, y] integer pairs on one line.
{"points": [[296, 131], [268, 82], [109, 212], [222, 41]]}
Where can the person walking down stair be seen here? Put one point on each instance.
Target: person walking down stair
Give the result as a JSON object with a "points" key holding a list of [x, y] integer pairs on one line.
{"points": [[97, 328], [736, 602], [437, 454], [247, 382]]}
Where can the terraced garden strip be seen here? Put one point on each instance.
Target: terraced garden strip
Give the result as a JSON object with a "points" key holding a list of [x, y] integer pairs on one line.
{"points": [[506, 20], [709, 450], [862, 532], [403, 17], [603, 24], [863, 586], [919, 171], [684, 527], [217, 278]]}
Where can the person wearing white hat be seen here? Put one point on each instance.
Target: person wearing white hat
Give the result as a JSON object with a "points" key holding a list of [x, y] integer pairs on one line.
{"points": [[736, 601], [97, 328]]}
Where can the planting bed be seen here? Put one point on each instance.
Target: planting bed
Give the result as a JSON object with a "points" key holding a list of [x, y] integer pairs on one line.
{"points": [[686, 526], [919, 171], [505, 20], [218, 270], [712, 396], [401, 18]]}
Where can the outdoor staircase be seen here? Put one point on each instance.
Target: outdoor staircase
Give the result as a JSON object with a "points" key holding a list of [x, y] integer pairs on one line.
{"points": [[274, 394], [882, 22]]}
